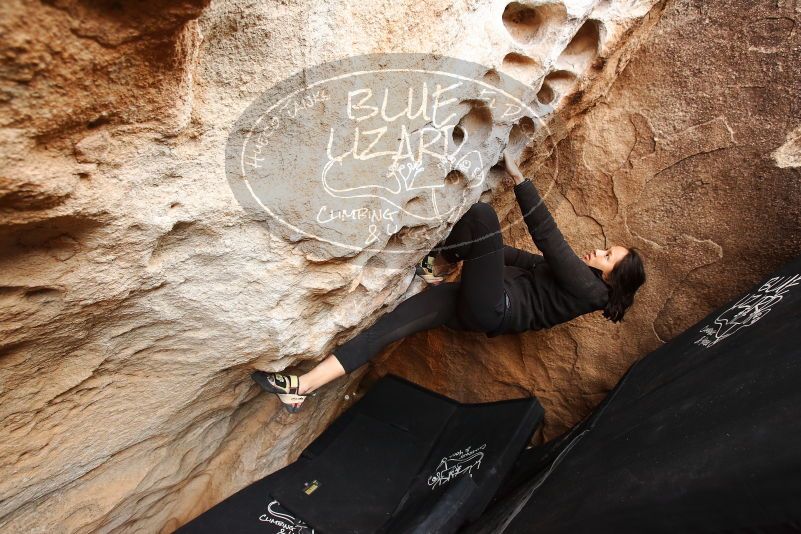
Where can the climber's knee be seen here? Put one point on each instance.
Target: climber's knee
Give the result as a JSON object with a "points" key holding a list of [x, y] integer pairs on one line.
{"points": [[485, 213], [484, 209]]}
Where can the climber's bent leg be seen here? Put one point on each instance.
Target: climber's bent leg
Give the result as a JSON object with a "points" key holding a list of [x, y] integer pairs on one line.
{"points": [[428, 309], [476, 303], [476, 239]]}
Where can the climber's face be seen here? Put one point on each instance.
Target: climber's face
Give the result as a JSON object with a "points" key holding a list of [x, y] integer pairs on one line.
{"points": [[605, 259]]}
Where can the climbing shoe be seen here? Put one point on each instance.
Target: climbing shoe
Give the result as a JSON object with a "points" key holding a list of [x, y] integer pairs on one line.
{"points": [[425, 270], [434, 268], [285, 386]]}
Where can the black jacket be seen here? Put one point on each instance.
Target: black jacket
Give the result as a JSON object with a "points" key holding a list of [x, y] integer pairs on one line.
{"points": [[548, 289]]}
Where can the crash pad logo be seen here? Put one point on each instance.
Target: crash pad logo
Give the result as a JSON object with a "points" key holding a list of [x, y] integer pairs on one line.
{"points": [[461, 462], [352, 153], [748, 310], [284, 522]]}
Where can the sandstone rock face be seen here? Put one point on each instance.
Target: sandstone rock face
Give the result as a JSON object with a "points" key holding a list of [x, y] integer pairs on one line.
{"points": [[137, 293], [692, 157], [789, 154]]}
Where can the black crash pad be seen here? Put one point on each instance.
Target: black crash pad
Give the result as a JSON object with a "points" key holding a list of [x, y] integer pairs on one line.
{"points": [[401, 459], [701, 435]]}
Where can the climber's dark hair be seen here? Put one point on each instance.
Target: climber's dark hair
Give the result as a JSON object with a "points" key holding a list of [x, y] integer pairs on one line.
{"points": [[624, 280]]}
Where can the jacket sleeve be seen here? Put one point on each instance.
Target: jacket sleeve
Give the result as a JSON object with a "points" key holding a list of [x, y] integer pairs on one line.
{"points": [[570, 271], [520, 258]]}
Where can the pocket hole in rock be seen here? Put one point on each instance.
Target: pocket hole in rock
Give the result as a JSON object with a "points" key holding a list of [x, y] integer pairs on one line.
{"points": [[457, 135], [530, 24], [555, 85], [520, 66], [476, 123], [416, 205], [455, 178], [583, 48], [522, 133], [492, 77]]}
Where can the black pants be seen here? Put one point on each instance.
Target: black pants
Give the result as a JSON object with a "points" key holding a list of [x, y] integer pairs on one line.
{"points": [[476, 303]]}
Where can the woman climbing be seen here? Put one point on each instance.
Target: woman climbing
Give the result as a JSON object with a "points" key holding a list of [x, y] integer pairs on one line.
{"points": [[502, 290]]}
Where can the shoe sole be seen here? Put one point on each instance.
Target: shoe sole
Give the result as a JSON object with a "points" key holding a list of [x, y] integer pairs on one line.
{"points": [[425, 275]]}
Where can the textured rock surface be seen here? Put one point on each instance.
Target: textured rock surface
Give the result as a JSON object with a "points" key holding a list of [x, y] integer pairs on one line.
{"points": [[137, 296], [693, 158], [789, 154]]}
